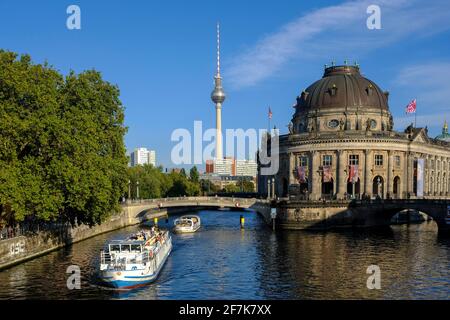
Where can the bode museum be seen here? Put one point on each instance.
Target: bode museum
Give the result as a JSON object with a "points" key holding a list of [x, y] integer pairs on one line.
{"points": [[342, 145]]}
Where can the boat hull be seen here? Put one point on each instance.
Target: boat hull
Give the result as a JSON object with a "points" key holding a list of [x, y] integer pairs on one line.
{"points": [[186, 230]]}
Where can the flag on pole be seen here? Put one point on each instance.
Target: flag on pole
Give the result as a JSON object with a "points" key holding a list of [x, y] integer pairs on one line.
{"points": [[411, 107], [301, 174], [327, 174], [354, 173], [270, 113]]}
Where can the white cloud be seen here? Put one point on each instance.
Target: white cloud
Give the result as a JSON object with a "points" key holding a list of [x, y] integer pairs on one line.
{"points": [[340, 29]]}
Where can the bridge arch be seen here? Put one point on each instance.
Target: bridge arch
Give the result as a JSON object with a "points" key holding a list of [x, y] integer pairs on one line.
{"points": [[381, 212], [139, 210]]}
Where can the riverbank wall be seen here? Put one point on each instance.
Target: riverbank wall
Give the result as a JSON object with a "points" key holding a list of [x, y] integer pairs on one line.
{"points": [[20, 249]]}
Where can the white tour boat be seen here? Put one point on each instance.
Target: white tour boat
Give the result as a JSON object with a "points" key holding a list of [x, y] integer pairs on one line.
{"points": [[187, 224], [135, 261]]}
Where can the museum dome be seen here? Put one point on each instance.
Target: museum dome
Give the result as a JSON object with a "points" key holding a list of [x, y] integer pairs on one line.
{"points": [[342, 87], [445, 136]]}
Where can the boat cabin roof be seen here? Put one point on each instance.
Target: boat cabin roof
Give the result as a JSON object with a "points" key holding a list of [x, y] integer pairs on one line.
{"points": [[188, 217], [126, 242]]}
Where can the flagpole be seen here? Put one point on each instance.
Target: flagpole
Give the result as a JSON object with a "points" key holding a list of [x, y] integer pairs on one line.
{"points": [[415, 118]]}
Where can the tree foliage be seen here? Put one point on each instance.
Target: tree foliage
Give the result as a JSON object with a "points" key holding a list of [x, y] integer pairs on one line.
{"points": [[154, 183], [62, 154]]}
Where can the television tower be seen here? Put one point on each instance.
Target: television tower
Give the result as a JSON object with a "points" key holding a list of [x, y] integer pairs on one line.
{"points": [[218, 97]]}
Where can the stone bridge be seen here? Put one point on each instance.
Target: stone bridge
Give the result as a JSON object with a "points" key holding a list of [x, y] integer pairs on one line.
{"points": [[357, 213], [302, 214], [142, 209]]}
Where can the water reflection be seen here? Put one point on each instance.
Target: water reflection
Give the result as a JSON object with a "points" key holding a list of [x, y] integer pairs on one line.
{"points": [[221, 261]]}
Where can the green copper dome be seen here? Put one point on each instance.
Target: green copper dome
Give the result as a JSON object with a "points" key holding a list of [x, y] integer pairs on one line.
{"points": [[445, 136]]}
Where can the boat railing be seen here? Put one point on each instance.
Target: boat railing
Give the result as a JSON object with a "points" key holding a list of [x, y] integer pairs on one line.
{"points": [[106, 258], [118, 261]]}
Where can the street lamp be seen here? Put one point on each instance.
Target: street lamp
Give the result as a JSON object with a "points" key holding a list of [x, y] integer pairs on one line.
{"points": [[273, 188]]}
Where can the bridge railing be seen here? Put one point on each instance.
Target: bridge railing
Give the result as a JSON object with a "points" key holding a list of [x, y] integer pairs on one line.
{"points": [[366, 201], [162, 201], [402, 201]]}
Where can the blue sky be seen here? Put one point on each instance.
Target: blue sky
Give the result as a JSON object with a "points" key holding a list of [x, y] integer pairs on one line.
{"points": [[161, 54]]}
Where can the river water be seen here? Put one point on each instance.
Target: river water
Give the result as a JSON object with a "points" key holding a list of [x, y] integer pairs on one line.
{"points": [[221, 261]]}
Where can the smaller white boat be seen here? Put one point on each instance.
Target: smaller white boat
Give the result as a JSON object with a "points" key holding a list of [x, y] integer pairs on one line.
{"points": [[187, 224]]}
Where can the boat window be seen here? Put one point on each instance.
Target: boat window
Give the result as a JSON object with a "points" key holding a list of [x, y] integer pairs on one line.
{"points": [[114, 247], [125, 248], [135, 248]]}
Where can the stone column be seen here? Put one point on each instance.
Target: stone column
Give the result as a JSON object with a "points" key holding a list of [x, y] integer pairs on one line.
{"points": [[341, 177], [316, 183], [439, 174], [367, 170], [389, 181], [435, 184], [310, 174], [335, 172], [291, 168], [410, 172], [447, 176], [426, 182], [406, 176]]}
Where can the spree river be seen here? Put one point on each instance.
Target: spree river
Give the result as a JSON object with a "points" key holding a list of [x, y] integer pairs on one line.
{"points": [[221, 261]]}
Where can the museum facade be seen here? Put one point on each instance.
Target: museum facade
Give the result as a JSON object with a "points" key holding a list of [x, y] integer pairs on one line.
{"points": [[342, 145]]}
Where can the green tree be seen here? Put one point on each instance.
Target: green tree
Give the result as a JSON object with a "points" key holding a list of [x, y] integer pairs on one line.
{"points": [[194, 175], [231, 188], [207, 187], [62, 154], [179, 185], [246, 186], [153, 183]]}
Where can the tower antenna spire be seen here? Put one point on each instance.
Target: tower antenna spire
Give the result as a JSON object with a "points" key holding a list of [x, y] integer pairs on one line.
{"points": [[218, 49]]}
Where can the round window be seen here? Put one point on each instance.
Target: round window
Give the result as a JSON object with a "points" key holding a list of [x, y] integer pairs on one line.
{"points": [[333, 123], [373, 124]]}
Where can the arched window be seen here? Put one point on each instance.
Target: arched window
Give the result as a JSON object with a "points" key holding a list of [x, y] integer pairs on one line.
{"points": [[396, 187]]}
